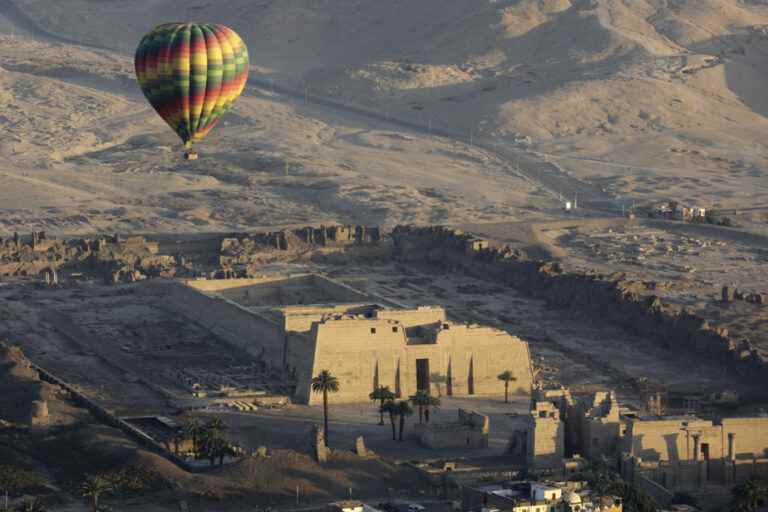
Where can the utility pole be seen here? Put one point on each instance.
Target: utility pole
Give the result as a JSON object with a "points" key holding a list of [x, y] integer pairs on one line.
{"points": [[575, 200], [306, 95]]}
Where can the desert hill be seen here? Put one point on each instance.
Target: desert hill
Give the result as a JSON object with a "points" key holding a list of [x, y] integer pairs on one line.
{"points": [[644, 98]]}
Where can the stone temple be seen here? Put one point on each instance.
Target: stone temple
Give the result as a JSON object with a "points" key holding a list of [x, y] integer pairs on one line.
{"points": [[300, 325]]}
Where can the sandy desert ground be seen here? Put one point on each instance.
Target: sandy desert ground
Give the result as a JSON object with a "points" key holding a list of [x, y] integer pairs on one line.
{"points": [[645, 99]]}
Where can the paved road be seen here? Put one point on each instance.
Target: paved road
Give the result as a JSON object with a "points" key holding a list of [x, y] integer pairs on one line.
{"points": [[530, 166]]}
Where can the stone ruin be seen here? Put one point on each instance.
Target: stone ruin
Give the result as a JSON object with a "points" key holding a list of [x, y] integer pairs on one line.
{"points": [[117, 260], [317, 441], [731, 293], [239, 252], [610, 297], [361, 450]]}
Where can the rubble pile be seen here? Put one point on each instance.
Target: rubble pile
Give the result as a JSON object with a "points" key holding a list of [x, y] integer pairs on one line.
{"points": [[637, 249], [240, 253], [115, 259]]}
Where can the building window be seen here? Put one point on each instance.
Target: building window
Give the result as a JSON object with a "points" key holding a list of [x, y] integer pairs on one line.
{"points": [[373, 330], [394, 329]]}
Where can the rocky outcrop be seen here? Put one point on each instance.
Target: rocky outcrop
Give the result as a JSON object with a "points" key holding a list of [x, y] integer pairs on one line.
{"points": [[260, 248], [116, 259], [611, 298]]}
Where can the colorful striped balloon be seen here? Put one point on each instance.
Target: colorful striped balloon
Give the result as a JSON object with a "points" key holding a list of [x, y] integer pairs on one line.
{"points": [[191, 73]]}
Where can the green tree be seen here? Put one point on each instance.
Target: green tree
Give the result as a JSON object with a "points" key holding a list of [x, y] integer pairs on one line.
{"points": [[194, 430], [390, 408], [382, 394], [749, 496], [14, 480], [94, 487], [213, 442], [403, 410], [506, 376], [423, 401], [325, 382]]}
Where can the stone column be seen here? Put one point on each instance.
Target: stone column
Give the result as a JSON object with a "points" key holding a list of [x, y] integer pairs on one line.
{"points": [[696, 438], [731, 447]]}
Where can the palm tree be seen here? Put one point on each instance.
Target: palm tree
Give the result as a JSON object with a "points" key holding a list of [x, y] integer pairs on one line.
{"points": [[423, 401], [216, 427], [216, 447], [403, 410], [749, 496], [507, 377], [93, 487], [212, 442], [194, 429], [382, 394], [390, 408], [325, 382]]}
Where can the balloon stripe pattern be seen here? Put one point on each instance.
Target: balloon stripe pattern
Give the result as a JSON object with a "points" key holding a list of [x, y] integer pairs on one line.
{"points": [[191, 73]]}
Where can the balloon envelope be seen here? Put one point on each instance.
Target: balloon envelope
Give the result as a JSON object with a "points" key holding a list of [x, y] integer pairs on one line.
{"points": [[191, 73]]}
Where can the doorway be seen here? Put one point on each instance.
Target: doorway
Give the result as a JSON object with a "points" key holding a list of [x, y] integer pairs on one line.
{"points": [[422, 375]]}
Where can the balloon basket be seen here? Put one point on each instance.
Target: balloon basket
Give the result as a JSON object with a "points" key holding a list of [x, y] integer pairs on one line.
{"points": [[190, 155]]}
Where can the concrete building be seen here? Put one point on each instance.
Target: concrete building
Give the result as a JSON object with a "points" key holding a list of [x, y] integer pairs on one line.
{"points": [[523, 496], [300, 325]]}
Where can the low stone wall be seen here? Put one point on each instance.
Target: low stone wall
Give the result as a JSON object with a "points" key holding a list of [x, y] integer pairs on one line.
{"points": [[113, 421], [608, 298], [236, 325], [661, 495]]}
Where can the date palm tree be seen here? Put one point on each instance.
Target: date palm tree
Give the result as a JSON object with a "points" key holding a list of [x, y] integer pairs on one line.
{"points": [[404, 410], [212, 441], [194, 429], [382, 394], [390, 408], [506, 376], [423, 401], [93, 487], [325, 382]]}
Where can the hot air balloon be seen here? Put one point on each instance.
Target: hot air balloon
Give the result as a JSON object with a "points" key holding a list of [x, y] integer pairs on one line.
{"points": [[191, 73]]}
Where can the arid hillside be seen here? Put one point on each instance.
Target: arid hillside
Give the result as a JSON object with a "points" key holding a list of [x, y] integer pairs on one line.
{"points": [[644, 99]]}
